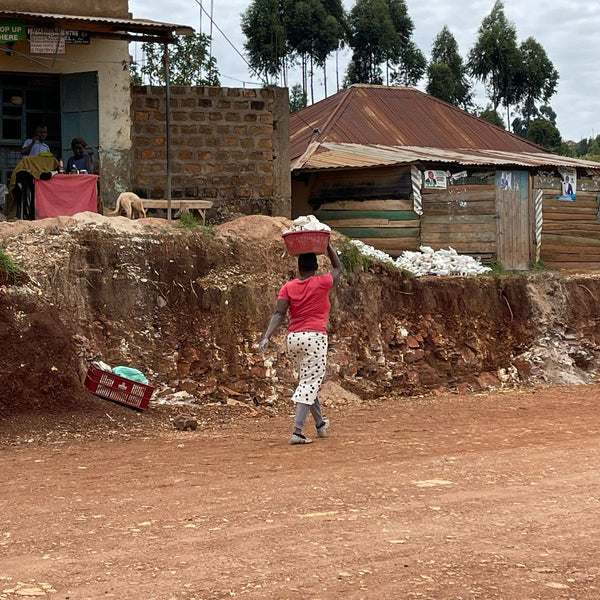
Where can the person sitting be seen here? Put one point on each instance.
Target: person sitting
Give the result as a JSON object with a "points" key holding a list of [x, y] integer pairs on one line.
{"points": [[79, 161], [36, 145]]}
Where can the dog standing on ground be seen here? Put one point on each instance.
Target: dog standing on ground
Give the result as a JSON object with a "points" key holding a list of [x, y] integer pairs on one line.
{"points": [[132, 205]]}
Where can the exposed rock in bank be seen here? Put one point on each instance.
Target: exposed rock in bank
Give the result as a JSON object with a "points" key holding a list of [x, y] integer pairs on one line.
{"points": [[187, 307]]}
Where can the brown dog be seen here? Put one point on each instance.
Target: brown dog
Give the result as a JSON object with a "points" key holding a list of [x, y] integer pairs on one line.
{"points": [[132, 205]]}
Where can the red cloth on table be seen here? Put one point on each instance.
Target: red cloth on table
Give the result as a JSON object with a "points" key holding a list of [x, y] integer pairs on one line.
{"points": [[65, 195]]}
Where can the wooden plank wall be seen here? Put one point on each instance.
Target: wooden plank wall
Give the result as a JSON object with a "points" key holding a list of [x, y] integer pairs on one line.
{"points": [[372, 205], [463, 217], [389, 225], [571, 231]]}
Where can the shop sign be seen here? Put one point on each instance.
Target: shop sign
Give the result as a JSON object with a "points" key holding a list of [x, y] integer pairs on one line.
{"points": [[12, 30], [77, 38]]}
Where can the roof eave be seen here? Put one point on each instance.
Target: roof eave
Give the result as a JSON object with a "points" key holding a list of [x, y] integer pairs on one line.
{"points": [[105, 24]]}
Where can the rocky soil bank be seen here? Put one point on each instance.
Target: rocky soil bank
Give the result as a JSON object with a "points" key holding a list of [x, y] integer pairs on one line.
{"points": [[187, 307]]}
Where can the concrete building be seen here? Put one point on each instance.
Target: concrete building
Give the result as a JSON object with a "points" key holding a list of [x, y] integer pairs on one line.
{"points": [[71, 72]]}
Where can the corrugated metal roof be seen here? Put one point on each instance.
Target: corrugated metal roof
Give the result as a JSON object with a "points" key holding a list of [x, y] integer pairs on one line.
{"points": [[329, 155], [397, 116], [107, 23]]}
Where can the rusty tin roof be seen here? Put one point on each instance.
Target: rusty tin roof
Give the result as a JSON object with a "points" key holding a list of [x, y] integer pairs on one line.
{"points": [[327, 155], [368, 125]]}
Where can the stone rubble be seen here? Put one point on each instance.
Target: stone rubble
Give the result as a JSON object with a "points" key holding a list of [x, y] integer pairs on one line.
{"points": [[427, 261]]}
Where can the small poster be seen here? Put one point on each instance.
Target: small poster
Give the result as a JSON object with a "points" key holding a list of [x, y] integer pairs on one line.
{"points": [[568, 185], [506, 181], [76, 37], [435, 180], [12, 30], [46, 41]]}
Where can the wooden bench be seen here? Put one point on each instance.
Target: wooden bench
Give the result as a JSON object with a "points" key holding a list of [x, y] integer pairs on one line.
{"points": [[182, 205]]}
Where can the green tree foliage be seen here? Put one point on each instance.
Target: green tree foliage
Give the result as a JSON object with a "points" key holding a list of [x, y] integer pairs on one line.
{"points": [[298, 98], [410, 65], [441, 83], [548, 113], [447, 73], [264, 26], [371, 37], [362, 70], [514, 75], [539, 81], [519, 126], [496, 60], [314, 30], [586, 148], [380, 32], [406, 60], [189, 63], [492, 116], [544, 134]]}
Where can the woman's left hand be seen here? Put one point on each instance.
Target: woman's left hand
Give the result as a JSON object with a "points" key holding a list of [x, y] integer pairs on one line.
{"points": [[262, 345]]}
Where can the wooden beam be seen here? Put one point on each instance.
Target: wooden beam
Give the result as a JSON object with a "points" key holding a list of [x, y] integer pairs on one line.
{"points": [[372, 223], [459, 219], [568, 240], [388, 215], [368, 205], [381, 232], [450, 237]]}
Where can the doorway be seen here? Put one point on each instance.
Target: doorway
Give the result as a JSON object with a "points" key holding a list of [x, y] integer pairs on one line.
{"points": [[67, 104], [512, 211]]}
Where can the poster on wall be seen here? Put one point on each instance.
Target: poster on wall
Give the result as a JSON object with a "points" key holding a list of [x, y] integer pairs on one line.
{"points": [[506, 181], [568, 185], [77, 37], [43, 40], [435, 180]]}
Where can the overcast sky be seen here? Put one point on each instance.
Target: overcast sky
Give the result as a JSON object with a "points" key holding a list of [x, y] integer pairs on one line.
{"points": [[567, 30]]}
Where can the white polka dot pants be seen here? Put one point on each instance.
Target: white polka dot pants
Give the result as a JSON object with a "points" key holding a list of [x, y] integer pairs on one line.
{"points": [[308, 350]]}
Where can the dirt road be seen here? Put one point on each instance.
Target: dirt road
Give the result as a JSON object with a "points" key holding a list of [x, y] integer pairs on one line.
{"points": [[450, 497]]}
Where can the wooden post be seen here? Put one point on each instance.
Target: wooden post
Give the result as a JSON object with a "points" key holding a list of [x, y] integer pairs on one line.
{"points": [[168, 126]]}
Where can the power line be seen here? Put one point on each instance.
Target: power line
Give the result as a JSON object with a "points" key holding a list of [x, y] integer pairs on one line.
{"points": [[226, 38]]}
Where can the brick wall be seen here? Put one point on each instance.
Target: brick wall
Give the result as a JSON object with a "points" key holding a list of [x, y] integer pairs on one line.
{"points": [[228, 145]]}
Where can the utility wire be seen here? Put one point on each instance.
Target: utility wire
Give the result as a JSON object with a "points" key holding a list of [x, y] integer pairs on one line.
{"points": [[227, 39]]}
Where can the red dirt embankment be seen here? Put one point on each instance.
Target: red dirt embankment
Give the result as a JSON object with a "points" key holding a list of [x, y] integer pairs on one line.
{"points": [[187, 308]]}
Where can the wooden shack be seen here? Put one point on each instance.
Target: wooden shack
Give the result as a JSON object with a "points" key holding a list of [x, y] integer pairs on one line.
{"points": [[360, 162]]}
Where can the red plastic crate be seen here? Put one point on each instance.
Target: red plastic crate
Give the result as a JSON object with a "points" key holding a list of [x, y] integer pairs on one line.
{"points": [[119, 389], [303, 242]]}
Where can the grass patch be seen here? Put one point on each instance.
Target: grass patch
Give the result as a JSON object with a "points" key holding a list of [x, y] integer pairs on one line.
{"points": [[352, 258], [541, 266], [499, 269], [8, 266], [188, 221]]}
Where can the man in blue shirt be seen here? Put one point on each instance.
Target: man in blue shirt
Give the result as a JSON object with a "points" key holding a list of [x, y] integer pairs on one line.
{"points": [[36, 145]]}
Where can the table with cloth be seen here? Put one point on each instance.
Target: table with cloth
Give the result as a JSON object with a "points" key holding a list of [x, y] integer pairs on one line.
{"points": [[35, 166], [66, 195]]}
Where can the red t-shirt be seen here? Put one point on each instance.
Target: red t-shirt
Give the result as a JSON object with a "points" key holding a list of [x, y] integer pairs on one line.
{"points": [[309, 303]]}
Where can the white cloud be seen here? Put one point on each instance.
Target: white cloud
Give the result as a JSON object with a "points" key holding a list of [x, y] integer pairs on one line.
{"points": [[566, 30]]}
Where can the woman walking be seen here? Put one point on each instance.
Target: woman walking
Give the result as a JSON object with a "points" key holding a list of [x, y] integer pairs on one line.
{"points": [[307, 299]]}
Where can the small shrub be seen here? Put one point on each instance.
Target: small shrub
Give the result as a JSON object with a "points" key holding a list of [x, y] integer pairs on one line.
{"points": [[188, 221], [352, 258], [13, 272]]}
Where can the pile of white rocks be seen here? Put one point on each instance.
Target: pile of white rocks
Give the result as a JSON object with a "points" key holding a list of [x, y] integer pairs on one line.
{"points": [[427, 261], [367, 250], [439, 262], [309, 223]]}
